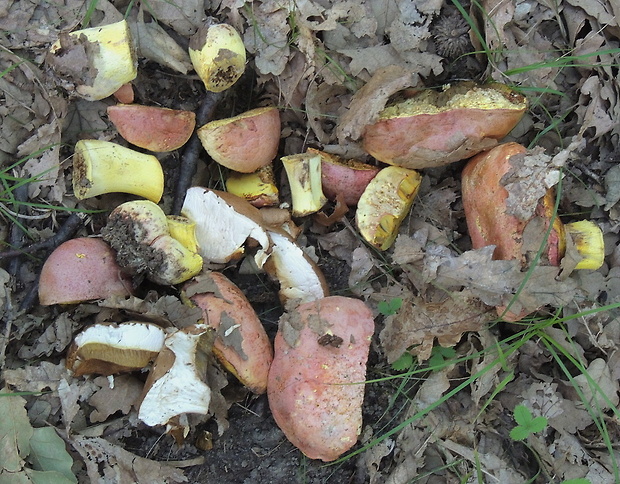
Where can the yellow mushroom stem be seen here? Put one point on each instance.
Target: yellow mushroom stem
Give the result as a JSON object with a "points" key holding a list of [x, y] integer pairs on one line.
{"points": [[303, 171], [588, 239], [104, 167]]}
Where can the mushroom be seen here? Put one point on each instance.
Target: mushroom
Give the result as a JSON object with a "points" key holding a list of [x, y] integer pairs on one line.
{"points": [[316, 381], [347, 178], [243, 143], [241, 343], [433, 128], [110, 348], [225, 225], [259, 188], [97, 60], [217, 54], [490, 222], [103, 167], [303, 172], [176, 385], [385, 202], [80, 270], [151, 127], [300, 279], [140, 233]]}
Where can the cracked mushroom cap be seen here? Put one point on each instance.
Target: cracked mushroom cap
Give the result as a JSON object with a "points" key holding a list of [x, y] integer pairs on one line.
{"points": [[225, 225]]}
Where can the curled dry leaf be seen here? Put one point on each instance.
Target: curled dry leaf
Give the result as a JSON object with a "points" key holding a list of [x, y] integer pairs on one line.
{"points": [[241, 343], [316, 381]]}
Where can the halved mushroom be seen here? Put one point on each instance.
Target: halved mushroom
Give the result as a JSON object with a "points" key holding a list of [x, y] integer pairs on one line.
{"points": [[80, 270], [434, 128], [241, 343], [151, 127], [300, 279], [107, 349], [243, 143], [384, 204], [225, 225], [303, 172], [259, 188]]}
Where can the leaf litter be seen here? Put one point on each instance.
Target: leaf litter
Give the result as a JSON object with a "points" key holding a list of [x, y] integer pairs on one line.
{"points": [[341, 62]]}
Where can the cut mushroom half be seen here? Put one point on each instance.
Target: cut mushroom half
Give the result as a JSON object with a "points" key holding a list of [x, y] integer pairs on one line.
{"points": [[303, 172], [177, 384], [300, 279], [226, 226], [107, 349]]}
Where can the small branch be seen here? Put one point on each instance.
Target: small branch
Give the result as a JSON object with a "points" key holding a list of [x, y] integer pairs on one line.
{"points": [[189, 159], [66, 231]]}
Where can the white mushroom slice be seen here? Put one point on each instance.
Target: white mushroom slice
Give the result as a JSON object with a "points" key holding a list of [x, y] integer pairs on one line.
{"points": [[300, 278], [176, 385], [112, 348], [224, 223]]}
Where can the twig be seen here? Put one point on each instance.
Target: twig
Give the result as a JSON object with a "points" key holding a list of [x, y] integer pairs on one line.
{"points": [[16, 237], [189, 159], [67, 229]]}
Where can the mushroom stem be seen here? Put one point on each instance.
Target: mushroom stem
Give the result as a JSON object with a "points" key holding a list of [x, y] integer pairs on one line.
{"points": [[104, 167], [304, 176]]}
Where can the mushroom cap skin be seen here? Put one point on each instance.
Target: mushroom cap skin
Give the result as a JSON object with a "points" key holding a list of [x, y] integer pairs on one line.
{"points": [[437, 128], [241, 343], [320, 353], [243, 143], [347, 178], [82, 269], [151, 127]]}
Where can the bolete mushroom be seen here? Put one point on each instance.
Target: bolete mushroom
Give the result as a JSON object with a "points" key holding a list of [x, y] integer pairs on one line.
{"points": [[241, 343], [385, 202], [108, 348], [97, 60], [82, 269], [139, 231], [259, 188], [151, 127], [104, 167], [490, 222], [316, 381], [303, 172], [217, 54], [432, 128], [225, 225], [243, 143]]}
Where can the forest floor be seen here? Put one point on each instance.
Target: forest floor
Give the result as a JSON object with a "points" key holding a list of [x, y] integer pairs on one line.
{"points": [[448, 381]]}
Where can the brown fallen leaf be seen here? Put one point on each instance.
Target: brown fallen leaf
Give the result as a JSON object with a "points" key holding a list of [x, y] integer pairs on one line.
{"points": [[107, 463], [419, 323], [370, 100], [120, 396]]}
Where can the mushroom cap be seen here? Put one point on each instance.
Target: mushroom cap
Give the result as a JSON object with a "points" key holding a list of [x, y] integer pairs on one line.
{"points": [[241, 343], [82, 269], [436, 128], [243, 143], [152, 127], [316, 380]]}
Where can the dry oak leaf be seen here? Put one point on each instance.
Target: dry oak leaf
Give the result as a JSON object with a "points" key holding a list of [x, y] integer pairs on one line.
{"points": [[107, 463], [110, 399], [419, 323]]}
